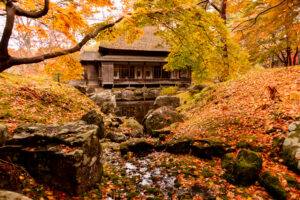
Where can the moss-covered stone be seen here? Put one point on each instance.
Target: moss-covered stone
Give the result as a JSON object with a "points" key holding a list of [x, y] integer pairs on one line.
{"points": [[139, 146], [208, 149], [247, 166], [95, 118], [135, 128], [65, 156], [244, 169], [179, 146], [161, 132], [228, 162], [167, 101], [160, 118], [272, 185]]}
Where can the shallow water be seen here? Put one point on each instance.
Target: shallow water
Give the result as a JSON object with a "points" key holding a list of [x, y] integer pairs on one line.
{"points": [[136, 109]]}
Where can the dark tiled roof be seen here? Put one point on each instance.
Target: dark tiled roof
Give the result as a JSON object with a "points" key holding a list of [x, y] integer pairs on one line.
{"points": [[148, 42]]}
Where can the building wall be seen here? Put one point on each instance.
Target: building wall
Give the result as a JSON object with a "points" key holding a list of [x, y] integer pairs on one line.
{"points": [[92, 75], [108, 73]]}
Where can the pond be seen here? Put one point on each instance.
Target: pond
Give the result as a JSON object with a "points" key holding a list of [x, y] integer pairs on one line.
{"points": [[136, 109]]}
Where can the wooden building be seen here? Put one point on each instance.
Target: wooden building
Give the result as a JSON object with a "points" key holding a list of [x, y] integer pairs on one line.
{"points": [[122, 64]]}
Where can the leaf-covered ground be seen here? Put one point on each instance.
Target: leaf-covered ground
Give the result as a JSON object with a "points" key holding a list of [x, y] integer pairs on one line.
{"points": [[241, 112], [26, 99]]}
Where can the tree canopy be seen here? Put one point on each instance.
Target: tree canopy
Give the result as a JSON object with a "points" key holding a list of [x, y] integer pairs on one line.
{"points": [[213, 37]]}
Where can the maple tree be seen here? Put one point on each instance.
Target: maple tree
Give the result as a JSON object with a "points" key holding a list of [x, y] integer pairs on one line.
{"points": [[69, 18], [270, 30], [199, 37]]}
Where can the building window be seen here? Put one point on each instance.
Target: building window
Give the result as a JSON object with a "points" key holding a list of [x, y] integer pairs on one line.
{"points": [[131, 72], [124, 72], [116, 73], [138, 74], [166, 74], [157, 72], [148, 73]]}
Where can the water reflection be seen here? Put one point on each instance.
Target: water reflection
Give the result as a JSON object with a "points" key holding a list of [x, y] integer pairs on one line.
{"points": [[137, 109]]}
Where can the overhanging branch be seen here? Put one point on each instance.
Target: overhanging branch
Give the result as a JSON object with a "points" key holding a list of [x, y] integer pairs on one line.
{"points": [[212, 4], [36, 59], [33, 14], [256, 17]]}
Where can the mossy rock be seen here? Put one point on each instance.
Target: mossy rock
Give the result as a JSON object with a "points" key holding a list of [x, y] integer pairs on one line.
{"points": [[159, 132], [136, 129], [180, 146], [288, 154], [95, 118], [160, 118], [272, 185], [247, 166], [228, 162], [244, 169], [208, 149], [139, 146]]}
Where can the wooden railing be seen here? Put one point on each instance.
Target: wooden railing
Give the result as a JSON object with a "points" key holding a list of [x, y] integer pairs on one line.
{"points": [[151, 80]]}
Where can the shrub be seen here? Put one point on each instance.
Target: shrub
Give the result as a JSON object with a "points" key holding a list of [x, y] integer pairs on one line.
{"points": [[169, 91]]}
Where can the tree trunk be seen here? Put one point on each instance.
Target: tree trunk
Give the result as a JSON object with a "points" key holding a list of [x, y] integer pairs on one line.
{"points": [[295, 57]]}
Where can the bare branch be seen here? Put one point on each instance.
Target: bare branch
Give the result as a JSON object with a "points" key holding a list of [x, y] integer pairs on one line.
{"points": [[33, 14], [77, 47], [256, 17], [212, 4], [201, 2], [215, 7]]}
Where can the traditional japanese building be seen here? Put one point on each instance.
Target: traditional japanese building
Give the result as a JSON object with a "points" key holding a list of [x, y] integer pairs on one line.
{"points": [[139, 64]]}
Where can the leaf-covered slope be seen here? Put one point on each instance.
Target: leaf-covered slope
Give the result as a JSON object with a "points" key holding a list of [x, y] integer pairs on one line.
{"points": [[243, 109], [244, 114], [33, 99]]}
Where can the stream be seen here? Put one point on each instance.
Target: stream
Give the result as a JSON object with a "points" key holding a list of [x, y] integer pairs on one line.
{"points": [[149, 177]]}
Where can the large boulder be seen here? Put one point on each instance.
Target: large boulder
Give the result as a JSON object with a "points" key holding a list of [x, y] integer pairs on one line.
{"points": [[200, 148], [160, 118], [151, 93], [66, 156], [167, 101], [95, 118], [3, 134], [244, 169], [138, 145], [272, 185], [132, 128], [105, 100], [291, 147], [115, 136], [196, 89], [128, 95], [8, 195]]}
